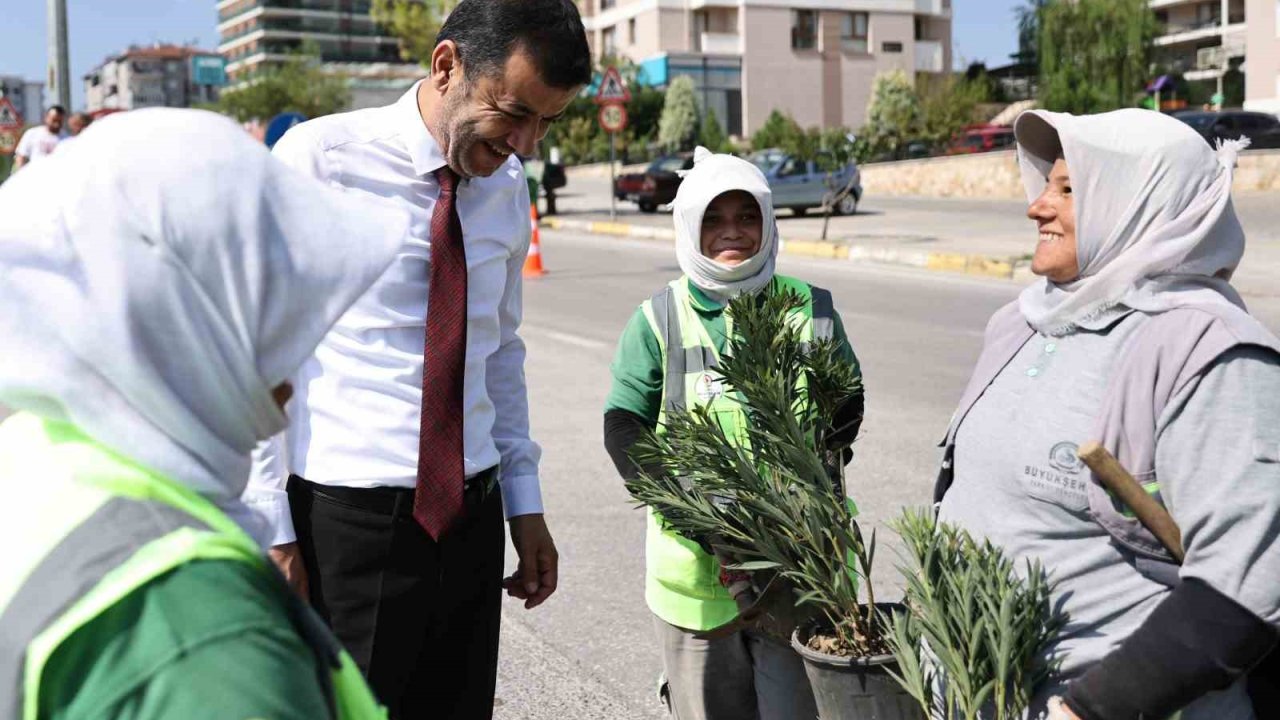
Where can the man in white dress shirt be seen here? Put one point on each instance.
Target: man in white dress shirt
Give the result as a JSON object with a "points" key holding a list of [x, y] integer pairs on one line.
{"points": [[409, 430]]}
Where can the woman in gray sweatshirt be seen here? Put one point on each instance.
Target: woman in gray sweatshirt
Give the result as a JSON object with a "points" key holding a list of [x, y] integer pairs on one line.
{"points": [[1133, 337]]}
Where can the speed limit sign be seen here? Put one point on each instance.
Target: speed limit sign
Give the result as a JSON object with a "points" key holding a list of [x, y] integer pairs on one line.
{"points": [[613, 118]]}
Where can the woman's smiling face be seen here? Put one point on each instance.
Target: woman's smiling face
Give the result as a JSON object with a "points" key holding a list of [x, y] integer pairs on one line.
{"points": [[732, 228], [1055, 215]]}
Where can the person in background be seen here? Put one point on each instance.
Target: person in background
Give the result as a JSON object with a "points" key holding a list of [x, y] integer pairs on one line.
{"points": [[1132, 337], [78, 122], [76, 125], [40, 141], [726, 244], [409, 435], [161, 278]]}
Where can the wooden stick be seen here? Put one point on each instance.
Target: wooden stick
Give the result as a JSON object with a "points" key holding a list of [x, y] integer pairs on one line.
{"points": [[1151, 514]]}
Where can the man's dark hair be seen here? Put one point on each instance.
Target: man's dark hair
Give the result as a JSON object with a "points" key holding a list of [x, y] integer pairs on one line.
{"points": [[487, 32], [56, 108]]}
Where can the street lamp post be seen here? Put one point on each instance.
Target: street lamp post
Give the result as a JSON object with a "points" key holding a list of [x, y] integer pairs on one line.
{"points": [[59, 70]]}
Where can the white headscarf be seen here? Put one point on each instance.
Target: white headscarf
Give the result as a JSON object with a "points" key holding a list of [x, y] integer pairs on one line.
{"points": [[1155, 226], [161, 275], [713, 175]]}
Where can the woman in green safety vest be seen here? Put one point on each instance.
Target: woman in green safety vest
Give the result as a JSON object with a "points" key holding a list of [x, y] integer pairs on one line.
{"points": [[726, 244], [159, 281]]}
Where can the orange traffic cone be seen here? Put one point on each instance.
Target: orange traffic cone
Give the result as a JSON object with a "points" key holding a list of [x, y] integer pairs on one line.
{"points": [[533, 262]]}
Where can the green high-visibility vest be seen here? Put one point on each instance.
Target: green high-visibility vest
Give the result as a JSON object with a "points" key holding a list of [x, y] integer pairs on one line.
{"points": [[94, 527], [682, 582]]}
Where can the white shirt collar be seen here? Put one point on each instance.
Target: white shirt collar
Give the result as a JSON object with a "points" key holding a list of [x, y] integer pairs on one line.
{"points": [[423, 149]]}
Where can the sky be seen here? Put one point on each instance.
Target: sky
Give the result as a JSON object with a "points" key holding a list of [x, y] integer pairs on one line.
{"points": [[983, 30]]}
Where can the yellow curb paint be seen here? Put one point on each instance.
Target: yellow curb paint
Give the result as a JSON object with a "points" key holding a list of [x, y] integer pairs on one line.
{"points": [[947, 262], [809, 248], [989, 266], [610, 228]]}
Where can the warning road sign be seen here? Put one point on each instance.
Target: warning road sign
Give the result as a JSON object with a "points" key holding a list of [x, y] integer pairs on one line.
{"points": [[613, 118], [9, 117], [612, 89]]}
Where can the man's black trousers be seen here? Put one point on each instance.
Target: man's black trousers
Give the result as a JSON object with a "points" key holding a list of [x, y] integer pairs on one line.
{"points": [[419, 617]]}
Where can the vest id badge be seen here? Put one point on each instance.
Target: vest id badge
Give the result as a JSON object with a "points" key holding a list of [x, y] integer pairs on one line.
{"points": [[708, 388]]}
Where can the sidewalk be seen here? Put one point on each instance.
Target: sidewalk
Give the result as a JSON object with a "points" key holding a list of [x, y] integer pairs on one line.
{"points": [[987, 238]]}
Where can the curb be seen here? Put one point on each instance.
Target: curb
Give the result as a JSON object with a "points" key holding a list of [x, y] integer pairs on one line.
{"points": [[984, 265]]}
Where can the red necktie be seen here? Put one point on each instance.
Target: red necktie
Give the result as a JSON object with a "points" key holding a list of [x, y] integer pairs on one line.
{"points": [[437, 500]]}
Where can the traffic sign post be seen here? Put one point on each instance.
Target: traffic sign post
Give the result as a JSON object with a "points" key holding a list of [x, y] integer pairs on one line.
{"points": [[611, 96], [612, 88], [613, 120], [10, 127]]}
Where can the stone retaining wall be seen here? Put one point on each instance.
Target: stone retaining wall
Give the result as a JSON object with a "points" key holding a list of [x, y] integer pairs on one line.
{"points": [[994, 176]]}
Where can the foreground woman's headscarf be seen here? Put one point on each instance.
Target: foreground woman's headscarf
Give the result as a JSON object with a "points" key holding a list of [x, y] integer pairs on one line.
{"points": [[713, 175], [1155, 226], [162, 275]]}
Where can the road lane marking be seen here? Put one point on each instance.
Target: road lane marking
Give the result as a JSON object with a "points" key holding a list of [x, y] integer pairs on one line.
{"points": [[567, 338]]}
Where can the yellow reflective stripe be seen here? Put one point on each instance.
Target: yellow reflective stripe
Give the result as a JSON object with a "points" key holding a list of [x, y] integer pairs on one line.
{"points": [[43, 517]]}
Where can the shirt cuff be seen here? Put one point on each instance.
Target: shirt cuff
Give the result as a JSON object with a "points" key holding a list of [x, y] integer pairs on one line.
{"points": [[274, 511], [521, 495]]}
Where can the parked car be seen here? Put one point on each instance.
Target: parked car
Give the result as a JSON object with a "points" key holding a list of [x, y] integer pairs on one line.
{"points": [[980, 139], [655, 186], [801, 186], [1262, 129]]}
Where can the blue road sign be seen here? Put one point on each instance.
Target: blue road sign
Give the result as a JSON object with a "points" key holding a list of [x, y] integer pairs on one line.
{"points": [[280, 125], [209, 70]]}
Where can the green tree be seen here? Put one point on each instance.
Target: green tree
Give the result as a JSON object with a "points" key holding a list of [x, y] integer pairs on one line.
{"points": [[711, 135], [894, 115], [414, 23], [1094, 55], [947, 104], [298, 84], [778, 130], [678, 126], [1027, 17]]}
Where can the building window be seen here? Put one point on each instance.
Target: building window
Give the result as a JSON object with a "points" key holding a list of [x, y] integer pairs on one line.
{"points": [[804, 29], [853, 32], [631, 31], [609, 42], [607, 4], [891, 47]]}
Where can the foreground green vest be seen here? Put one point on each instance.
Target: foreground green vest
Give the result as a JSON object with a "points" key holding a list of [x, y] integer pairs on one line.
{"points": [[86, 529], [682, 582]]}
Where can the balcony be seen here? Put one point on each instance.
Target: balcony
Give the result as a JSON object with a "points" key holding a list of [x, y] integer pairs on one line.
{"points": [[720, 43], [1177, 33], [237, 8], [933, 7], [929, 56]]}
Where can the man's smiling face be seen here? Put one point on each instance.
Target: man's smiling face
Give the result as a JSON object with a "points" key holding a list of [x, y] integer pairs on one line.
{"points": [[485, 119]]}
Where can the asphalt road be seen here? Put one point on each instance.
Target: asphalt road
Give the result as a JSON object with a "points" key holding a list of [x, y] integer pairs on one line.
{"points": [[588, 652]]}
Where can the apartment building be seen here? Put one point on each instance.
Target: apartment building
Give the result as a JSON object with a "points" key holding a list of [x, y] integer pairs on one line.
{"points": [[816, 59], [1262, 53], [256, 33], [155, 76], [27, 96], [1209, 40]]}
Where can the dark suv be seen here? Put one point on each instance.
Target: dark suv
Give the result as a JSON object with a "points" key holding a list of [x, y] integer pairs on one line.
{"points": [[1263, 130]]}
